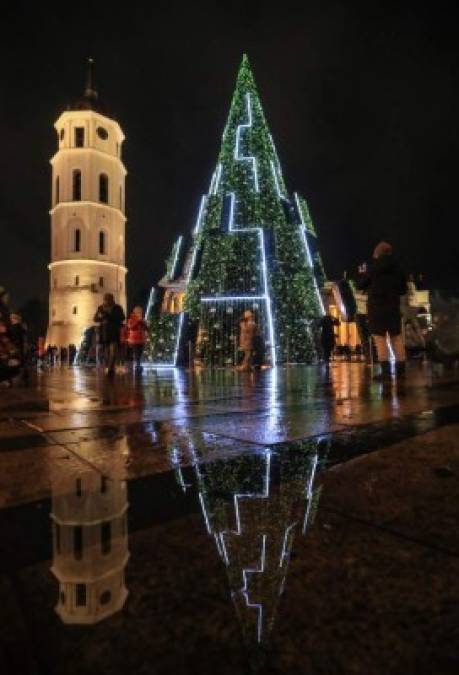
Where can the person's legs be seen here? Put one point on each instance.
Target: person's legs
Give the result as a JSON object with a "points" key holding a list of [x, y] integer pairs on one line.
{"points": [[246, 362], [399, 352], [327, 350], [138, 351], [382, 350], [112, 355], [121, 358]]}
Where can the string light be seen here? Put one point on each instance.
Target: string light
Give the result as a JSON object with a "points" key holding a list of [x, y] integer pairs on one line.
{"points": [[308, 255]]}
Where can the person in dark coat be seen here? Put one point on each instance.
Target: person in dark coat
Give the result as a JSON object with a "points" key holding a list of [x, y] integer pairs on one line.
{"points": [[110, 318], [385, 283], [327, 336]]}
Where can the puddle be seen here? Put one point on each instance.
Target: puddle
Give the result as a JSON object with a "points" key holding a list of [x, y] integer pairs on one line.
{"points": [[195, 569]]}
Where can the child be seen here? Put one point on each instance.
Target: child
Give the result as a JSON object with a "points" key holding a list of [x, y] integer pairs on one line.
{"points": [[137, 336]]}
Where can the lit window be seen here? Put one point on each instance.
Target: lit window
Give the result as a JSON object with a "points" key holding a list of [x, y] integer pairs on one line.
{"points": [[103, 188], [76, 185], [102, 247], [79, 137], [77, 240], [77, 280]]}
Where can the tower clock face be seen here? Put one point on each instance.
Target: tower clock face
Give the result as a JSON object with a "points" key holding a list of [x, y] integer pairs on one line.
{"points": [[102, 133]]}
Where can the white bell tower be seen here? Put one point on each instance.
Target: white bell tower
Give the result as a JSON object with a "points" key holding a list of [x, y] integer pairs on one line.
{"points": [[87, 218]]}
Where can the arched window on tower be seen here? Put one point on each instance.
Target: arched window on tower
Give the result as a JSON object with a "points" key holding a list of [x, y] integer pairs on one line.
{"points": [[102, 243], [77, 240], [103, 188], [57, 190], [76, 185], [79, 137]]}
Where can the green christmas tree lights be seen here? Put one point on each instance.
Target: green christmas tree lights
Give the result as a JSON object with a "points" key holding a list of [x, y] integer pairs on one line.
{"points": [[253, 247]]}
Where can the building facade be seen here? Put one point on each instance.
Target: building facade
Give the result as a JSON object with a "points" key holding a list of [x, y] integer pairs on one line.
{"points": [[87, 218]]}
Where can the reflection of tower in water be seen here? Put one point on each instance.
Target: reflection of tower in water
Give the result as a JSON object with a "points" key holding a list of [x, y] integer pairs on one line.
{"points": [[253, 507], [90, 546]]}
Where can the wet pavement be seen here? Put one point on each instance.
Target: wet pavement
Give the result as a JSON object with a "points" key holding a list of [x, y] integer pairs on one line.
{"points": [[290, 521]]}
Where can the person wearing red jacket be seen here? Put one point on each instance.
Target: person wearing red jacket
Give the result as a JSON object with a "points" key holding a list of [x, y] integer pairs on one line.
{"points": [[137, 335]]}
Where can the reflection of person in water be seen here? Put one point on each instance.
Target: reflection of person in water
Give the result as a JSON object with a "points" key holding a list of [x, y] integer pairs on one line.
{"points": [[90, 546]]}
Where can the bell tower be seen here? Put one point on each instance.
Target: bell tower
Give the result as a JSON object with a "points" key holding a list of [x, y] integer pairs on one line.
{"points": [[87, 217]]}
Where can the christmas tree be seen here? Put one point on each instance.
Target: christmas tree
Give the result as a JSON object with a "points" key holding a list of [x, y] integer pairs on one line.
{"points": [[253, 248]]}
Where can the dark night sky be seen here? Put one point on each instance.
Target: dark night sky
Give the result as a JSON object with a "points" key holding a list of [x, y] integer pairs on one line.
{"points": [[361, 97]]}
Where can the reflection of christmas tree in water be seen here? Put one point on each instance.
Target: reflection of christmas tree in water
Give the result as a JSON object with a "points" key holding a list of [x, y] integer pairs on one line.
{"points": [[254, 506], [90, 546]]}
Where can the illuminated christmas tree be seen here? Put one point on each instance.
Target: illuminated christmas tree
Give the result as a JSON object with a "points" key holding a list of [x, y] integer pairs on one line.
{"points": [[253, 247]]}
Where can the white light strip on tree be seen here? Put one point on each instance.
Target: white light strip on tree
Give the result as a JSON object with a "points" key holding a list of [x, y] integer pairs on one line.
{"points": [[244, 590], [309, 493], [308, 254], [268, 300], [285, 551], [212, 182], [216, 185], [150, 303], [177, 251], [204, 513], [200, 212], [232, 298], [276, 181], [249, 158]]}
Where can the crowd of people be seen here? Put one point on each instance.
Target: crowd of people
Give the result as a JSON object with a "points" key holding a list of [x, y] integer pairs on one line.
{"points": [[117, 341], [13, 343], [114, 342], [387, 333]]}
